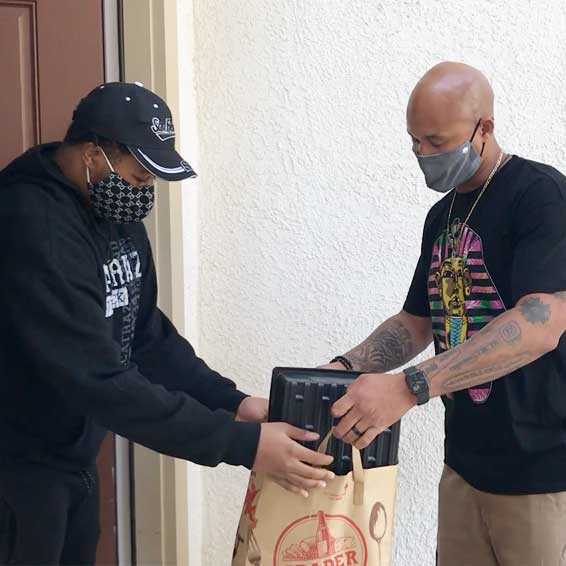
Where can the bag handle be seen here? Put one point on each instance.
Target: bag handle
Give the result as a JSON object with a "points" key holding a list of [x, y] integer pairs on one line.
{"points": [[254, 550], [357, 468]]}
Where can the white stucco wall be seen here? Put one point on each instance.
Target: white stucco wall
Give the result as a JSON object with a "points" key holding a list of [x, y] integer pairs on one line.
{"points": [[310, 202]]}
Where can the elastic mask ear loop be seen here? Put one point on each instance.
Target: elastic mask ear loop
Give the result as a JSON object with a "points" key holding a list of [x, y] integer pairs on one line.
{"points": [[474, 135], [107, 160]]}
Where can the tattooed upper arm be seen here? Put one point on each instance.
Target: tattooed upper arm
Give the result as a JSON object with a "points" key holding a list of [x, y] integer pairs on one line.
{"points": [[534, 310], [548, 311]]}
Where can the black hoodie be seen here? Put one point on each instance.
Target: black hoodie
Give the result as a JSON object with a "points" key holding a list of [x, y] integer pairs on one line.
{"points": [[84, 348]]}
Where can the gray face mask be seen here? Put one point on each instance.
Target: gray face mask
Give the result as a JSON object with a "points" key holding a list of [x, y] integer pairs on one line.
{"points": [[444, 171]]}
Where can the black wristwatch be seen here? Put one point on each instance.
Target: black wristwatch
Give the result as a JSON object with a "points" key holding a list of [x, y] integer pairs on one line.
{"points": [[417, 383]]}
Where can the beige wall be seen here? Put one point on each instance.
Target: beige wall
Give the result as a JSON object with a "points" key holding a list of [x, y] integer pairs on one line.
{"points": [[303, 229], [313, 203]]}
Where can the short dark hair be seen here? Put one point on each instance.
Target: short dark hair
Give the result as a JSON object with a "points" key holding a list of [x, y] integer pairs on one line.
{"points": [[76, 135]]}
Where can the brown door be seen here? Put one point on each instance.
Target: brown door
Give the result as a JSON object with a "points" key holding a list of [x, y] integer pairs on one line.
{"points": [[52, 55]]}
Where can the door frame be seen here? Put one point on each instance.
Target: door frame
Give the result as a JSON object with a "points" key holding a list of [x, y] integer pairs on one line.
{"points": [[114, 71], [159, 484]]}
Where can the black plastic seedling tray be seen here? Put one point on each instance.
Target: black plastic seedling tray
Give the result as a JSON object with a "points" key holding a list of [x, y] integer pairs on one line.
{"points": [[303, 397]]}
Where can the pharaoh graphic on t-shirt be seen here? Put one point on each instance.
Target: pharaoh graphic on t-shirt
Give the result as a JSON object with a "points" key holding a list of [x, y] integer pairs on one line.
{"points": [[462, 295]]}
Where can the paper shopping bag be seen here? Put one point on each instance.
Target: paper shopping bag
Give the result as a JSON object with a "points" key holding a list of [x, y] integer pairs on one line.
{"points": [[349, 523]]}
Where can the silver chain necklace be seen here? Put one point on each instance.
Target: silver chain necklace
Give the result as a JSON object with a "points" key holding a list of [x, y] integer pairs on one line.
{"points": [[455, 241]]}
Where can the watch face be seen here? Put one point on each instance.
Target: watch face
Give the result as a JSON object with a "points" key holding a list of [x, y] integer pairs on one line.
{"points": [[418, 385]]}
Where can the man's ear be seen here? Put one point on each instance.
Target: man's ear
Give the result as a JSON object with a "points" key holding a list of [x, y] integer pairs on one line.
{"points": [[486, 128], [90, 152]]}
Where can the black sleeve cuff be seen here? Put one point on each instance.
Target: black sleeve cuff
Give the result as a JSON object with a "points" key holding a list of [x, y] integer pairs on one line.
{"points": [[242, 448], [230, 399]]}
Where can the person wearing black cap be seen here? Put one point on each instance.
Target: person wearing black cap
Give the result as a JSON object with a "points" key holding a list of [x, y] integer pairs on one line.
{"points": [[85, 349]]}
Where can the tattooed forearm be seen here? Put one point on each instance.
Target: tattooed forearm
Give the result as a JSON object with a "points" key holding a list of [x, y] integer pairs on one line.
{"points": [[469, 378], [509, 333], [388, 347], [440, 362], [511, 341], [497, 350]]}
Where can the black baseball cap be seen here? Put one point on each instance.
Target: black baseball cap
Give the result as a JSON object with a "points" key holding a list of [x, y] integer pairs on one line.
{"points": [[134, 116]]}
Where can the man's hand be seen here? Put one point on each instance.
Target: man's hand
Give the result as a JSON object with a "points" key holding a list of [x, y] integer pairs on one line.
{"points": [[253, 410], [372, 403], [287, 462]]}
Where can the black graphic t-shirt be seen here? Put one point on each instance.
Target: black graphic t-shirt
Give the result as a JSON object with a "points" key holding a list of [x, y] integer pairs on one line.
{"points": [[507, 436], [84, 347]]}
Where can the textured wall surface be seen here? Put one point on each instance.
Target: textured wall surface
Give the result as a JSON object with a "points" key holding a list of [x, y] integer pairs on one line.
{"points": [[311, 203]]}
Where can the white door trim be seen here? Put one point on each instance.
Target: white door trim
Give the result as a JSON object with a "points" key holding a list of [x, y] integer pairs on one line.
{"points": [[112, 64], [151, 56]]}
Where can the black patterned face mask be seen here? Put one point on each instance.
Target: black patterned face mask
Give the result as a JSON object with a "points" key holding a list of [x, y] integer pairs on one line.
{"points": [[118, 201]]}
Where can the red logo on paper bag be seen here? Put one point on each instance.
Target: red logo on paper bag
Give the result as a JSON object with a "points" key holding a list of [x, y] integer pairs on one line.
{"points": [[310, 542], [249, 507]]}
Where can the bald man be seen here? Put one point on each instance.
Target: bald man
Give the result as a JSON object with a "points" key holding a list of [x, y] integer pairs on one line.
{"points": [[489, 290]]}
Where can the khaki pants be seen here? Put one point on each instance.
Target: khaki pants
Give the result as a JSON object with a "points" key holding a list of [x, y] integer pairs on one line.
{"points": [[481, 529]]}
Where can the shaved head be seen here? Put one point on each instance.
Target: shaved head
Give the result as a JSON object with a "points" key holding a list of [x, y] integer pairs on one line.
{"points": [[455, 89]]}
